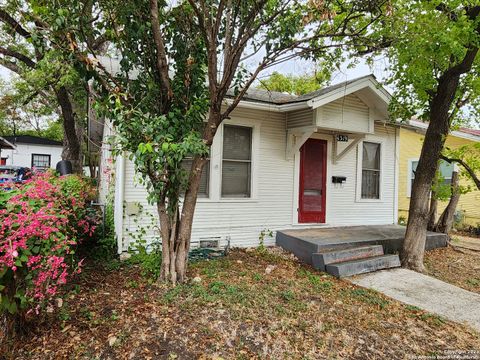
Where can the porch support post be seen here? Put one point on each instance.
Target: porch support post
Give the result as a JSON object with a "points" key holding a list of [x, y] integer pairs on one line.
{"points": [[336, 157], [296, 138]]}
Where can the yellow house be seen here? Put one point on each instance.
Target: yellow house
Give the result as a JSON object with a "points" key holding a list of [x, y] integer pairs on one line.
{"points": [[411, 140]]}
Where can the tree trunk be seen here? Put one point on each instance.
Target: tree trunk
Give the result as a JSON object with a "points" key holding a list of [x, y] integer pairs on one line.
{"points": [[445, 223], [176, 229], [432, 215], [72, 149], [415, 236]]}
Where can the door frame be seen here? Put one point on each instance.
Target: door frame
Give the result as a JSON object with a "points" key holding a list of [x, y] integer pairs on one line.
{"points": [[324, 144]]}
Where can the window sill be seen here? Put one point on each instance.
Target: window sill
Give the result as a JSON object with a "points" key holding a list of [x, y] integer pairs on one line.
{"points": [[369, 200], [227, 200]]}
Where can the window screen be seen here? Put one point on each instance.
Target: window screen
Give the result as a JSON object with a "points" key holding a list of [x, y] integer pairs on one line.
{"points": [[237, 161], [371, 171], [40, 161]]}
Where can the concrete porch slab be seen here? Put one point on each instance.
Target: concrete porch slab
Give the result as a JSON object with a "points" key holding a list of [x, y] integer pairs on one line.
{"points": [[426, 293], [304, 242]]}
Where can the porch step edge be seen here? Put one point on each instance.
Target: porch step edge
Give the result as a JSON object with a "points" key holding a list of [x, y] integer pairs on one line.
{"points": [[332, 256], [355, 267]]}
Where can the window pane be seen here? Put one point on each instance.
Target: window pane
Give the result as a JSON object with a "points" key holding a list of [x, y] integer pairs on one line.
{"points": [[371, 156], [237, 142], [235, 179], [370, 184], [204, 180], [40, 161], [446, 169], [414, 169]]}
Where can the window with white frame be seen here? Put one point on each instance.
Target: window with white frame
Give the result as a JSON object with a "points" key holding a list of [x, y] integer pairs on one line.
{"points": [[445, 169], [371, 170], [204, 187], [40, 161], [237, 161]]}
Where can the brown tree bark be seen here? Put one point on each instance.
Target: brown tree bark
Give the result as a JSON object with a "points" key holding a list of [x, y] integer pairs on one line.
{"points": [[445, 223], [72, 148], [176, 229], [414, 245], [432, 214]]}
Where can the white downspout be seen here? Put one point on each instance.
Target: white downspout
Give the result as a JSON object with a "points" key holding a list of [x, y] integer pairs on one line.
{"points": [[395, 184], [118, 204]]}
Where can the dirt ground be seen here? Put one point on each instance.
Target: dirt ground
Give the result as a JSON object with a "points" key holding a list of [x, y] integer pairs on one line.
{"points": [[456, 264], [248, 305]]}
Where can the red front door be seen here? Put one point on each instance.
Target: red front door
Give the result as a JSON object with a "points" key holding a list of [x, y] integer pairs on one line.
{"points": [[313, 173]]}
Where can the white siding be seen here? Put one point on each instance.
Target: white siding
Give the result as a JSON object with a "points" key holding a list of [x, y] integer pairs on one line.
{"points": [[300, 118], [344, 206], [348, 114], [274, 201], [22, 155]]}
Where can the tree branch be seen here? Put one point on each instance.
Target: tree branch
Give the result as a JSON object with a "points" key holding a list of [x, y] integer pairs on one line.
{"points": [[162, 63], [470, 171], [10, 65], [23, 58], [14, 24]]}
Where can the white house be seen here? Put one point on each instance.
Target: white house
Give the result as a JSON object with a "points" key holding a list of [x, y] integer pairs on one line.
{"points": [[32, 151], [325, 159]]}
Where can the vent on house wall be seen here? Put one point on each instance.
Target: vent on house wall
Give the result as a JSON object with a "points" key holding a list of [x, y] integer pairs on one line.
{"points": [[210, 242]]}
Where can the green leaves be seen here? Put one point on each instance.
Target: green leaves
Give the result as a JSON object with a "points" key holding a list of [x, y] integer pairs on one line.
{"points": [[427, 39]]}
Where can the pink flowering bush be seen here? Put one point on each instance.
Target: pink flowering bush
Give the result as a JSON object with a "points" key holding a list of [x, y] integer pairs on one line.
{"points": [[41, 222]]}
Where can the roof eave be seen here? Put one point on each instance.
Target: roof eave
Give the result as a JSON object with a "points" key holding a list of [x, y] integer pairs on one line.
{"points": [[369, 82], [8, 144]]}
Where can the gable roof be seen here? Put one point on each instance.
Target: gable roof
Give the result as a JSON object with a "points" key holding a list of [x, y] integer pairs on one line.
{"points": [[367, 88], [280, 98], [30, 139]]}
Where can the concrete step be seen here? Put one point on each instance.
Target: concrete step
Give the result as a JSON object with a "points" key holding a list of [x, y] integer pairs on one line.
{"points": [[361, 266], [321, 259]]}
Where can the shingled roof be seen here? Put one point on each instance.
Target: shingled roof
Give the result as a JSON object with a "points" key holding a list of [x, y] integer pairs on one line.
{"points": [[30, 139], [279, 98]]}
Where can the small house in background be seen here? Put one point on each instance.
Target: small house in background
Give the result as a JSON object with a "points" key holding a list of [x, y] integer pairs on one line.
{"points": [[411, 141], [32, 151]]}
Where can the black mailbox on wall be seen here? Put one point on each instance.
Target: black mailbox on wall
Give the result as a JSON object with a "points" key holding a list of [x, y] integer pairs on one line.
{"points": [[339, 179]]}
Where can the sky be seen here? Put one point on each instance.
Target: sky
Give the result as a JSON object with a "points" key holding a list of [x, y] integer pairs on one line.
{"points": [[299, 66]]}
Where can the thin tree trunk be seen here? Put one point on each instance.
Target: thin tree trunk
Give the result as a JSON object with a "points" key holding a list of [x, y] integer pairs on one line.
{"points": [[188, 210], [445, 223], [72, 149], [165, 234], [176, 229], [432, 215]]}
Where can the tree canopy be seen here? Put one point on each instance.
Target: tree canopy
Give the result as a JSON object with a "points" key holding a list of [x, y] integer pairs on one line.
{"points": [[432, 48], [295, 84]]}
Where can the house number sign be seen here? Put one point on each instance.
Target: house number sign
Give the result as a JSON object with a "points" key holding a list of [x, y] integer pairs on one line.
{"points": [[342, 138]]}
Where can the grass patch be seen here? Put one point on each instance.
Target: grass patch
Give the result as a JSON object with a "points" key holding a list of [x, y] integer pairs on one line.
{"points": [[367, 296]]}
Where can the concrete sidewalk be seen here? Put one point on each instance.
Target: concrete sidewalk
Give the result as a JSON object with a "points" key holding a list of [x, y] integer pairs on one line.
{"points": [[425, 292]]}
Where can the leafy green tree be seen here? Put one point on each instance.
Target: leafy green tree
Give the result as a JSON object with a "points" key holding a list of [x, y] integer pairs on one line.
{"points": [[180, 62], [432, 47], [29, 47], [295, 84]]}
